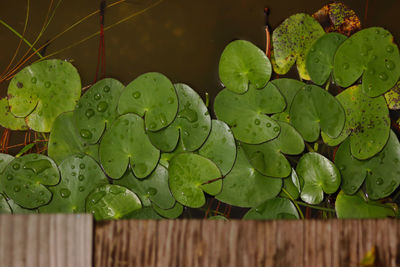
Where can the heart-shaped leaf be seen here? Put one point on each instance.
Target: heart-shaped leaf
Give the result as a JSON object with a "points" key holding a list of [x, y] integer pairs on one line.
{"points": [[381, 172], [272, 209], [319, 174], [8, 120], [367, 123], [25, 179], [337, 17], [64, 140], [192, 124], [43, 91], [242, 63], [245, 187], [153, 189], [191, 174], [97, 108], [171, 213], [357, 207], [111, 202], [79, 176], [314, 109], [292, 186], [126, 142], [17, 209], [393, 97], [153, 96], [246, 113], [288, 88], [268, 158], [220, 146], [145, 213], [291, 41], [319, 59], [372, 54]]}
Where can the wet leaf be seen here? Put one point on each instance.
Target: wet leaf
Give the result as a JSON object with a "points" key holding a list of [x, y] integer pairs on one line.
{"points": [[126, 142], [369, 53], [269, 158], [356, 207], [319, 174], [288, 88], [17, 209], [79, 176], [273, 209], [291, 41], [145, 213], [381, 172], [337, 17], [220, 146], [245, 187], [96, 109], [191, 174], [4, 207], [8, 120], [242, 63], [64, 140], [314, 109], [43, 91], [192, 124], [25, 180], [152, 96], [319, 59], [5, 159], [153, 189], [218, 218], [367, 123], [167, 156], [171, 213], [246, 114], [393, 97], [292, 185], [111, 202]]}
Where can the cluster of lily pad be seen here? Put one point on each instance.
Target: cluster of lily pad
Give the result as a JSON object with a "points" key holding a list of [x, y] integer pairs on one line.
{"points": [[151, 148]]}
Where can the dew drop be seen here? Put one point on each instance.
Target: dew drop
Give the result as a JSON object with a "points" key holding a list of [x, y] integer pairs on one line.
{"points": [[346, 66], [276, 129], [47, 84], [170, 100], [17, 188], [10, 177], [257, 122], [97, 196], [82, 166], [151, 191], [102, 106], [163, 119], [89, 113], [81, 188], [86, 134], [136, 95], [33, 80], [78, 106], [186, 133], [97, 96], [389, 48], [379, 181], [188, 113], [153, 125], [389, 64], [106, 88], [16, 166], [268, 124], [376, 31], [72, 166], [116, 190], [383, 76]]}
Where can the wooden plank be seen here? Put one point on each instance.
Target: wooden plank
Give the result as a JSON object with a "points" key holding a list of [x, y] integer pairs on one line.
{"points": [[246, 243], [46, 240]]}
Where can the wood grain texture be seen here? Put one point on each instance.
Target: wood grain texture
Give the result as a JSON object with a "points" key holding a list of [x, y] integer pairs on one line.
{"points": [[191, 243], [46, 240]]}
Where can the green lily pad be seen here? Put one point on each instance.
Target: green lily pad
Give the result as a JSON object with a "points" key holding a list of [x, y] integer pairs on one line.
{"points": [[288, 88], [4, 207], [79, 176], [242, 63], [220, 146], [320, 175], [272, 209], [152, 96], [25, 179], [393, 97], [42, 91], [314, 109], [356, 207], [381, 172], [153, 189], [246, 187], [145, 213], [111, 202], [372, 54], [96, 109], [126, 142], [166, 157], [367, 123], [268, 158], [5, 159], [246, 114], [64, 140], [218, 218], [291, 41], [17, 209], [8, 120], [171, 213], [319, 59], [292, 185], [192, 124], [191, 174]]}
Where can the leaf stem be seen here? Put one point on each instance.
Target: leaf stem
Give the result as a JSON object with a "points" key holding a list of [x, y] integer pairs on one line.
{"points": [[295, 203], [314, 207]]}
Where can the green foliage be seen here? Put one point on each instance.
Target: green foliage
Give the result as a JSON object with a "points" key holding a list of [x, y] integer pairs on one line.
{"points": [[276, 208]]}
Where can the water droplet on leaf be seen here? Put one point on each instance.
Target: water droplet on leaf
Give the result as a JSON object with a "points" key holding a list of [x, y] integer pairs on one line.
{"points": [[383, 76], [257, 122], [102, 106], [151, 191], [106, 89], [17, 188], [97, 96], [136, 95], [89, 113], [47, 84], [379, 181], [86, 134], [33, 80], [389, 64], [16, 166]]}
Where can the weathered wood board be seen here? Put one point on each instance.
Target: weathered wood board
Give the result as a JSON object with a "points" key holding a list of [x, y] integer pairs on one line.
{"points": [[46, 240]]}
